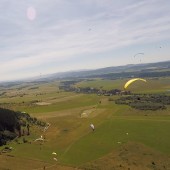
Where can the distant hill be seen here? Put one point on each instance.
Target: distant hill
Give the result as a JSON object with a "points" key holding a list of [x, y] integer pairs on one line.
{"points": [[149, 67], [131, 70]]}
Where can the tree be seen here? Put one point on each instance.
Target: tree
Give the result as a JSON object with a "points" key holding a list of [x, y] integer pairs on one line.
{"points": [[28, 129]]}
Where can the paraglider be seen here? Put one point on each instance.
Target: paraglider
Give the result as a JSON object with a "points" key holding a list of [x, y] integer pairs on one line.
{"points": [[54, 153], [131, 81], [84, 115], [55, 159], [39, 139], [135, 56], [92, 126], [138, 54]]}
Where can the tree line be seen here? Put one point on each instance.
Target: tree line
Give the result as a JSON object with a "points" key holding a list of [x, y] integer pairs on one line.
{"points": [[131, 74], [69, 86], [15, 124], [145, 101]]}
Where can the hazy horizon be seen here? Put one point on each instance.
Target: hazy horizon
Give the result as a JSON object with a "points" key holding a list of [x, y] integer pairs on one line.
{"points": [[45, 37], [41, 76]]}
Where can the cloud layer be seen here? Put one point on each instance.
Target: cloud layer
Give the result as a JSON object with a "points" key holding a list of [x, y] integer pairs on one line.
{"points": [[61, 35]]}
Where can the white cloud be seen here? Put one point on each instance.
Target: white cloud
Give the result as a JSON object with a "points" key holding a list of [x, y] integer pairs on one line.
{"points": [[55, 37]]}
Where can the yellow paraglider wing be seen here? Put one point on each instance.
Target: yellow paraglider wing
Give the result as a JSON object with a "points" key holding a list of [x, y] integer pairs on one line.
{"points": [[131, 81]]}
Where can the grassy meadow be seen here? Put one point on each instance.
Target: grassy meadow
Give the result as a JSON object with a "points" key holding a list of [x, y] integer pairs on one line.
{"points": [[70, 135]]}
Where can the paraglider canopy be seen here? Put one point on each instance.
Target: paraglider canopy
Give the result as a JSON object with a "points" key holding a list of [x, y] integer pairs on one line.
{"points": [[138, 54], [39, 139], [92, 126], [131, 81], [55, 159], [84, 115]]}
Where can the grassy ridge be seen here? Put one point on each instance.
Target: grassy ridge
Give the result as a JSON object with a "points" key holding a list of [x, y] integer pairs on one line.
{"points": [[106, 137]]}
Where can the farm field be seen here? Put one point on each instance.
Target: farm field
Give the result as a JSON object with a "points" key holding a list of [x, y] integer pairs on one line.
{"points": [[153, 85], [123, 136]]}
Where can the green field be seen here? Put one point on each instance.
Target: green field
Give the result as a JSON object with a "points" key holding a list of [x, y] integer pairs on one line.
{"points": [[158, 85], [71, 137]]}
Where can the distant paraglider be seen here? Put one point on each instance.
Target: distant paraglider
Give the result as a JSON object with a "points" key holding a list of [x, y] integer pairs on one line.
{"points": [[131, 81], [54, 153], [55, 159], [39, 139], [138, 54], [92, 126], [84, 115]]}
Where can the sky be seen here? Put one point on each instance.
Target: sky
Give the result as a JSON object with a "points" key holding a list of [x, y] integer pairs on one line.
{"points": [[39, 37]]}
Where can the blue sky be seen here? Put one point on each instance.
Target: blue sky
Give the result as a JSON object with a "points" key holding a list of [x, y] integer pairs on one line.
{"points": [[48, 36]]}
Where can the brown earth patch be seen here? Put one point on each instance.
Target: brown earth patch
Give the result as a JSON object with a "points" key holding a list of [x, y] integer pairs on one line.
{"points": [[75, 111], [43, 103], [92, 112], [65, 98]]}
